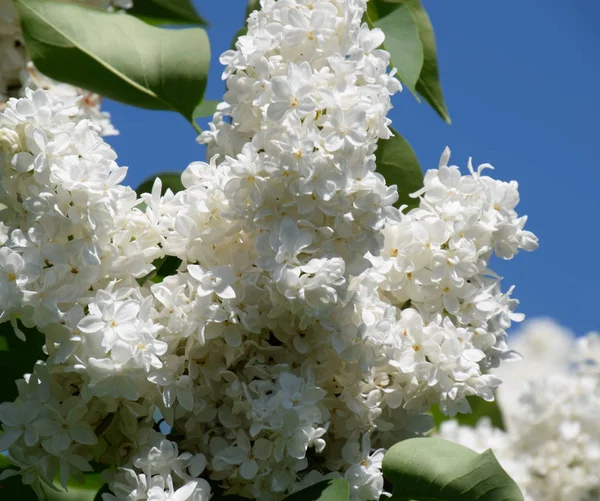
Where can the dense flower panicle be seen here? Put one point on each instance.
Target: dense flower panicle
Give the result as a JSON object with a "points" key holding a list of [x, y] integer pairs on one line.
{"points": [[310, 323], [17, 73], [73, 244], [546, 348], [551, 446]]}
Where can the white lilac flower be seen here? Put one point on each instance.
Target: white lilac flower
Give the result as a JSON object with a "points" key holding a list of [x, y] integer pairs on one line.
{"points": [[551, 446], [546, 348], [307, 314], [88, 107], [17, 73]]}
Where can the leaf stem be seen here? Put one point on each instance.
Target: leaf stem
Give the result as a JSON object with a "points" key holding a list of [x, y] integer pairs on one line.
{"points": [[196, 126]]}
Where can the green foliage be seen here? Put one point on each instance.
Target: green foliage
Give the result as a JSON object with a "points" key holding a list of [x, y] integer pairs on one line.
{"points": [[336, 489], [230, 497], [479, 409], [167, 12], [170, 180], [103, 490], [205, 109], [164, 267], [76, 491], [429, 81], [4, 463], [13, 488], [403, 43], [397, 162], [399, 30], [17, 358], [431, 469], [117, 56]]}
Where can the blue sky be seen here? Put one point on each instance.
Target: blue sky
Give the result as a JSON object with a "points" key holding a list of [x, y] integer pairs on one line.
{"points": [[521, 80]]}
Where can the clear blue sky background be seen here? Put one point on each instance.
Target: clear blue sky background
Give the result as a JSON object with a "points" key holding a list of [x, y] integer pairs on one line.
{"points": [[521, 80]]}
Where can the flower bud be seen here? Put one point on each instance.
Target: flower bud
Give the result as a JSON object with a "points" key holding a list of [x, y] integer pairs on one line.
{"points": [[10, 142]]}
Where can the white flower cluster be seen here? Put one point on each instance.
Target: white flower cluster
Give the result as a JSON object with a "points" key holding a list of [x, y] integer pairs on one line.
{"points": [[69, 233], [545, 347], [17, 73], [310, 323], [552, 443]]}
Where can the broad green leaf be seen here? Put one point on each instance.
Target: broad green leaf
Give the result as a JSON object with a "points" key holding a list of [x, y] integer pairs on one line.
{"points": [[429, 81], [169, 266], [117, 56], [230, 497], [5, 463], [167, 12], [404, 44], [18, 359], [86, 491], [205, 109], [479, 409], [164, 267], [12, 488], [103, 490], [336, 489], [397, 162], [432, 469], [170, 180]]}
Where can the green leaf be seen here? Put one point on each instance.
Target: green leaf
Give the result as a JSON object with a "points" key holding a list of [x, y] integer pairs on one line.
{"points": [[229, 497], [404, 44], [103, 490], [18, 359], [5, 463], [429, 81], [117, 56], [12, 488], [77, 491], [397, 162], [164, 267], [205, 109], [431, 469], [170, 180], [167, 12], [336, 489], [479, 409]]}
